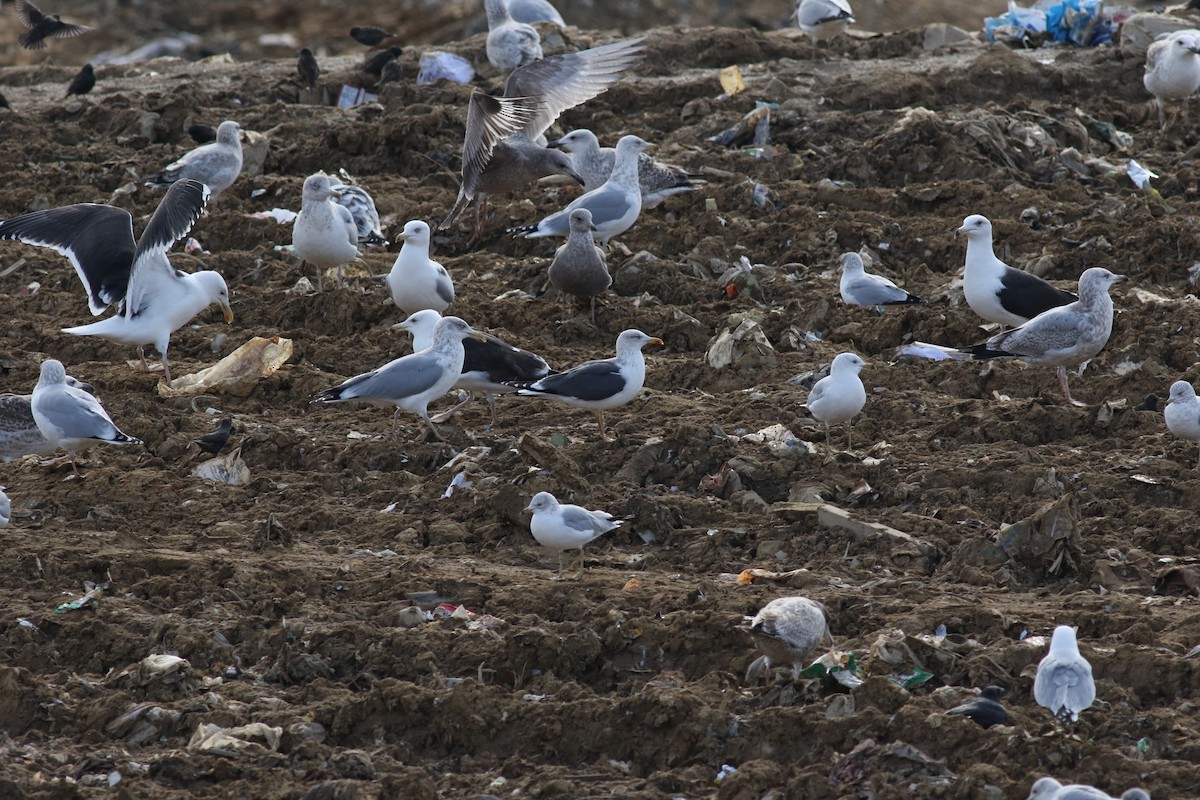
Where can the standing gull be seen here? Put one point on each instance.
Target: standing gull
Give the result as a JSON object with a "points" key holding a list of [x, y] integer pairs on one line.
{"points": [[594, 163], [1183, 413], [362, 209], [503, 144], [579, 266], [156, 299], [1063, 336], [5, 508], [410, 383], [615, 206], [510, 44], [1173, 70], [324, 233], [490, 365], [839, 396], [567, 527], [1063, 683], [823, 19], [996, 291], [599, 385], [19, 434], [216, 165], [39, 26], [985, 710], [861, 288], [416, 281], [71, 418], [787, 630], [1050, 789]]}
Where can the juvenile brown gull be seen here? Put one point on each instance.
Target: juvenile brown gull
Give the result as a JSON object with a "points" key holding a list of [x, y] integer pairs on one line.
{"points": [[579, 267], [788, 630]]}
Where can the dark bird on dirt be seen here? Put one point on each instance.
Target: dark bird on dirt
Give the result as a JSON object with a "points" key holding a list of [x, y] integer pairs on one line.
{"points": [[390, 73], [369, 35], [83, 82], [41, 26], [307, 68], [374, 64], [1151, 401], [201, 133], [984, 710], [213, 443], [4, 102]]}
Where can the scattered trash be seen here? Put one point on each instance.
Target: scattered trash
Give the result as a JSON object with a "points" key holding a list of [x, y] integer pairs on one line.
{"points": [[751, 576], [631, 584], [731, 81], [932, 352], [210, 738], [752, 130], [460, 481], [743, 343], [741, 279], [1141, 179], [353, 96], [835, 668], [1178, 580], [283, 216], [229, 469], [725, 771], [437, 65], [237, 373], [912, 679], [94, 591], [159, 667], [1082, 23]]}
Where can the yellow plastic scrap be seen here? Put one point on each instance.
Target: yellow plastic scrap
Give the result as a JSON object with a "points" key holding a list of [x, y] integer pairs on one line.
{"points": [[731, 80]]}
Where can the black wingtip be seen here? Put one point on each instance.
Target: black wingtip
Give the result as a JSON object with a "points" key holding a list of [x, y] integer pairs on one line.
{"points": [[982, 352]]}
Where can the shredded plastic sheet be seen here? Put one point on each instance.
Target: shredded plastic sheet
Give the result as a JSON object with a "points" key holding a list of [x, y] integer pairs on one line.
{"points": [[1083, 23]]}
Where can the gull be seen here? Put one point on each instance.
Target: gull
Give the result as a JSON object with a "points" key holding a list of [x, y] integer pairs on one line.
{"points": [[996, 291], [216, 165], [984, 710], [615, 206], [531, 11], [362, 209], [1050, 789], [411, 382], [510, 44], [861, 288], [823, 19], [19, 434], [39, 26], [1063, 683], [324, 233], [839, 396], [657, 181], [567, 527], [599, 385], [1182, 413], [579, 267], [5, 508], [69, 417], [1063, 336], [489, 365], [156, 299], [1173, 70], [787, 630], [503, 144], [416, 281]]}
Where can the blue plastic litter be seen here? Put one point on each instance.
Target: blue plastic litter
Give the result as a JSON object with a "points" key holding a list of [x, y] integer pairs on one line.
{"points": [[1082, 23]]}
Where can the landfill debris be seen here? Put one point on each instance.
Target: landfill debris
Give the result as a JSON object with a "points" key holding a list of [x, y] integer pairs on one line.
{"points": [[460, 481], [731, 81], [1178, 580], [93, 592], [748, 577], [741, 279], [743, 343], [437, 65], [159, 667], [835, 668], [228, 469], [283, 216], [725, 771], [354, 96], [1083, 23], [211, 738], [237, 373], [752, 131], [912, 679], [1141, 179]]}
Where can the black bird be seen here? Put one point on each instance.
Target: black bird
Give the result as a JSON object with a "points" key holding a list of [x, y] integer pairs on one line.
{"points": [[369, 35], [4, 102], [984, 710], [307, 67], [213, 443], [374, 65], [390, 73], [201, 133], [83, 82], [1151, 401], [40, 26]]}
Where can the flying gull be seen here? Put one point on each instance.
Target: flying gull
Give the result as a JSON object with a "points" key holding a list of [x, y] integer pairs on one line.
{"points": [[861, 288], [416, 281], [1173, 70], [615, 206], [69, 417], [579, 267], [410, 383], [1183, 413], [324, 233], [1063, 336], [216, 165], [839, 396], [788, 630], [823, 19], [19, 434], [996, 291], [985, 710], [489, 366], [599, 385], [1050, 789], [510, 44], [156, 299], [1063, 683], [594, 163], [567, 527], [503, 145], [531, 11], [361, 206], [39, 26]]}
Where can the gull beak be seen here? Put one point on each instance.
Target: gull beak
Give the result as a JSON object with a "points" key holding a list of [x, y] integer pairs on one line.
{"points": [[1120, 278], [576, 177], [477, 336], [556, 143], [959, 232], [655, 340], [335, 192], [401, 325], [228, 312], [529, 507]]}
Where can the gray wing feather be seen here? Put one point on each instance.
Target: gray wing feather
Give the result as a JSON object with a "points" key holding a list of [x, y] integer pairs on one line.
{"points": [[587, 521], [76, 417], [401, 378], [871, 290]]}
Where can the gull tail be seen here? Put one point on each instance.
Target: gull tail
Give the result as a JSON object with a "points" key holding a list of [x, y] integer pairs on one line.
{"points": [[374, 240], [517, 230], [910, 299], [982, 352], [121, 438]]}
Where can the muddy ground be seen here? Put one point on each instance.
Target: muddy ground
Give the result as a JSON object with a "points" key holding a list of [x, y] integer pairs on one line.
{"points": [[290, 596]]}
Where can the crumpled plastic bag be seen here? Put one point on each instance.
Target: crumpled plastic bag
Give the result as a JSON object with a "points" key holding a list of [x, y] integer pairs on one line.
{"points": [[209, 737], [437, 65], [1082, 23], [237, 373], [229, 468]]}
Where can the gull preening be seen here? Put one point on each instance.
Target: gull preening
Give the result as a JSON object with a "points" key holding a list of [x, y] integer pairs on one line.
{"points": [[860, 288], [1063, 683], [563, 527], [416, 281], [788, 630], [839, 396], [324, 233], [1182, 413], [1173, 70], [217, 164], [657, 181], [69, 417]]}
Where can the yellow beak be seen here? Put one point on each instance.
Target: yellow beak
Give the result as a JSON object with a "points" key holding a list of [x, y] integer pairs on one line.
{"points": [[654, 340], [228, 312]]}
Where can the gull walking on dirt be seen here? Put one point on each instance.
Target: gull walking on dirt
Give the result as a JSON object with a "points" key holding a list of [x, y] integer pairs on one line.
{"points": [[860, 288], [5, 508], [416, 281], [324, 233], [567, 527], [788, 630], [1063, 683], [217, 164], [839, 396], [579, 267], [1182, 413], [1173, 70], [594, 163], [69, 417]]}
